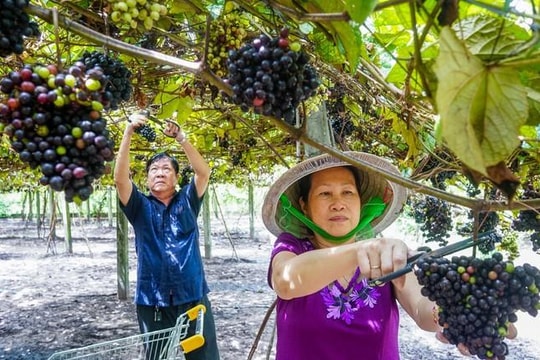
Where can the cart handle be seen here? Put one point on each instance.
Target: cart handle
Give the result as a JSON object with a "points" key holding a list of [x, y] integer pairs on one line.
{"points": [[196, 341]]}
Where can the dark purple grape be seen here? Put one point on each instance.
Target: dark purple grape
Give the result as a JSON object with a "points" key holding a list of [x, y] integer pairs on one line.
{"points": [[478, 298], [269, 78]]}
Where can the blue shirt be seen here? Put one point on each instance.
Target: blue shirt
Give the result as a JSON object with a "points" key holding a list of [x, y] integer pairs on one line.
{"points": [[169, 268]]}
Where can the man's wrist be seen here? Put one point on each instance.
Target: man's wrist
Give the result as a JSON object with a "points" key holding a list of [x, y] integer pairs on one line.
{"points": [[181, 138]]}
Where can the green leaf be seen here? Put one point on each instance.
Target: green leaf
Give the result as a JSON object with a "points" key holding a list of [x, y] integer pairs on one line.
{"points": [[360, 10], [481, 108], [351, 42], [347, 35], [534, 106], [184, 108], [489, 37]]}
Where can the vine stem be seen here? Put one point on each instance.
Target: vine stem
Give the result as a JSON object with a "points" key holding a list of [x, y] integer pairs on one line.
{"points": [[479, 205], [197, 68]]}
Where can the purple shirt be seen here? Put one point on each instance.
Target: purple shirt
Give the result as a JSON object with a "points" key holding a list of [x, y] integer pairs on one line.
{"points": [[329, 325]]}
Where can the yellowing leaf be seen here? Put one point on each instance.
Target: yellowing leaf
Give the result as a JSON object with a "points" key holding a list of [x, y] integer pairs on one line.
{"points": [[481, 108], [408, 134]]}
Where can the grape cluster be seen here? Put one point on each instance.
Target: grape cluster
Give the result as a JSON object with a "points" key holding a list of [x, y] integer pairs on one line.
{"points": [[147, 132], [135, 12], [236, 159], [478, 298], [272, 76], [438, 175], [15, 24], [529, 220], [185, 176], [226, 33], [340, 120], [119, 76], [53, 121], [435, 215], [342, 126]]}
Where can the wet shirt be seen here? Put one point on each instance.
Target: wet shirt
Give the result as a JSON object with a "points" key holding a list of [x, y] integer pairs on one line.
{"points": [[169, 266], [335, 323]]}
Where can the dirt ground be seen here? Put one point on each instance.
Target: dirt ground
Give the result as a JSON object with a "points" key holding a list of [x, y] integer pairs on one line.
{"points": [[54, 302]]}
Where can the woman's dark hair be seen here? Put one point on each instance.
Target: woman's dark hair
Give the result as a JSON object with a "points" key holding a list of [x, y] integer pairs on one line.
{"points": [[163, 155], [305, 183]]}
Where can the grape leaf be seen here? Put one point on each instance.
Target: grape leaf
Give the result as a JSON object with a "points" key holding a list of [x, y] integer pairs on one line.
{"points": [[481, 107], [534, 106], [490, 38], [360, 10]]}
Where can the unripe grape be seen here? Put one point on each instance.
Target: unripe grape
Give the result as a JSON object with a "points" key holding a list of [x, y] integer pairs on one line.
{"points": [[70, 80], [92, 84], [148, 23], [154, 15], [116, 16], [120, 6], [143, 14]]}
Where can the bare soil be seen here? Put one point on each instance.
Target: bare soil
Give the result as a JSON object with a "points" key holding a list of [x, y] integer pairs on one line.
{"points": [[52, 301]]}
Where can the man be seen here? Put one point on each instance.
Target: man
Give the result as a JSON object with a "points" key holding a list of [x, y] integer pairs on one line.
{"points": [[170, 274]]}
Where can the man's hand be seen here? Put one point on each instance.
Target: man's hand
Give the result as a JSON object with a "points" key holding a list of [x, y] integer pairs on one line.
{"points": [[173, 130], [135, 121]]}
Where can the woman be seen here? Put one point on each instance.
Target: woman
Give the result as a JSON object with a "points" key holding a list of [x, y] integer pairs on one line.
{"points": [[319, 210]]}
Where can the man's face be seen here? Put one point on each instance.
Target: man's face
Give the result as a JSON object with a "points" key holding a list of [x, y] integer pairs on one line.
{"points": [[161, 177]]}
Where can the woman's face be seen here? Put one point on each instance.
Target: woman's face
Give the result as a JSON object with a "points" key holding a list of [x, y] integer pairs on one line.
{"points": [[333, 201]]}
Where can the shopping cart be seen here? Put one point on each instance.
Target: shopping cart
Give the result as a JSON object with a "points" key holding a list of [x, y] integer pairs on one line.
{"points": [[167, 344]]}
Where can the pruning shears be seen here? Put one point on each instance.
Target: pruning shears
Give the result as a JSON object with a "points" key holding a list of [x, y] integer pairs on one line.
{"points": [[161, 123], [443, 251]]}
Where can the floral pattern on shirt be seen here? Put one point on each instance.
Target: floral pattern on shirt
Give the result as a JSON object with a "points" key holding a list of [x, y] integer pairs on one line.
{"points": [[343, 303]]}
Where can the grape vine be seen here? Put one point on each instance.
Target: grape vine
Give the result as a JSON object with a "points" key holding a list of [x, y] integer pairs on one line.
{"points": [[271, 76], [488, 222], [478, 298]]}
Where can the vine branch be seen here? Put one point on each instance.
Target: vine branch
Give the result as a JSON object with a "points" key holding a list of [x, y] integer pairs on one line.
{"points": [[196, 68]]}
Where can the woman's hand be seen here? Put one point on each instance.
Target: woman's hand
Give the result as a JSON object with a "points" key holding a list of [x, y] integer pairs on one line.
{"points": [[381, 256]]}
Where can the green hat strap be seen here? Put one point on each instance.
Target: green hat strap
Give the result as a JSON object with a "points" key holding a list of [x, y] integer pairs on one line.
{"points": [[371, 210]]}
